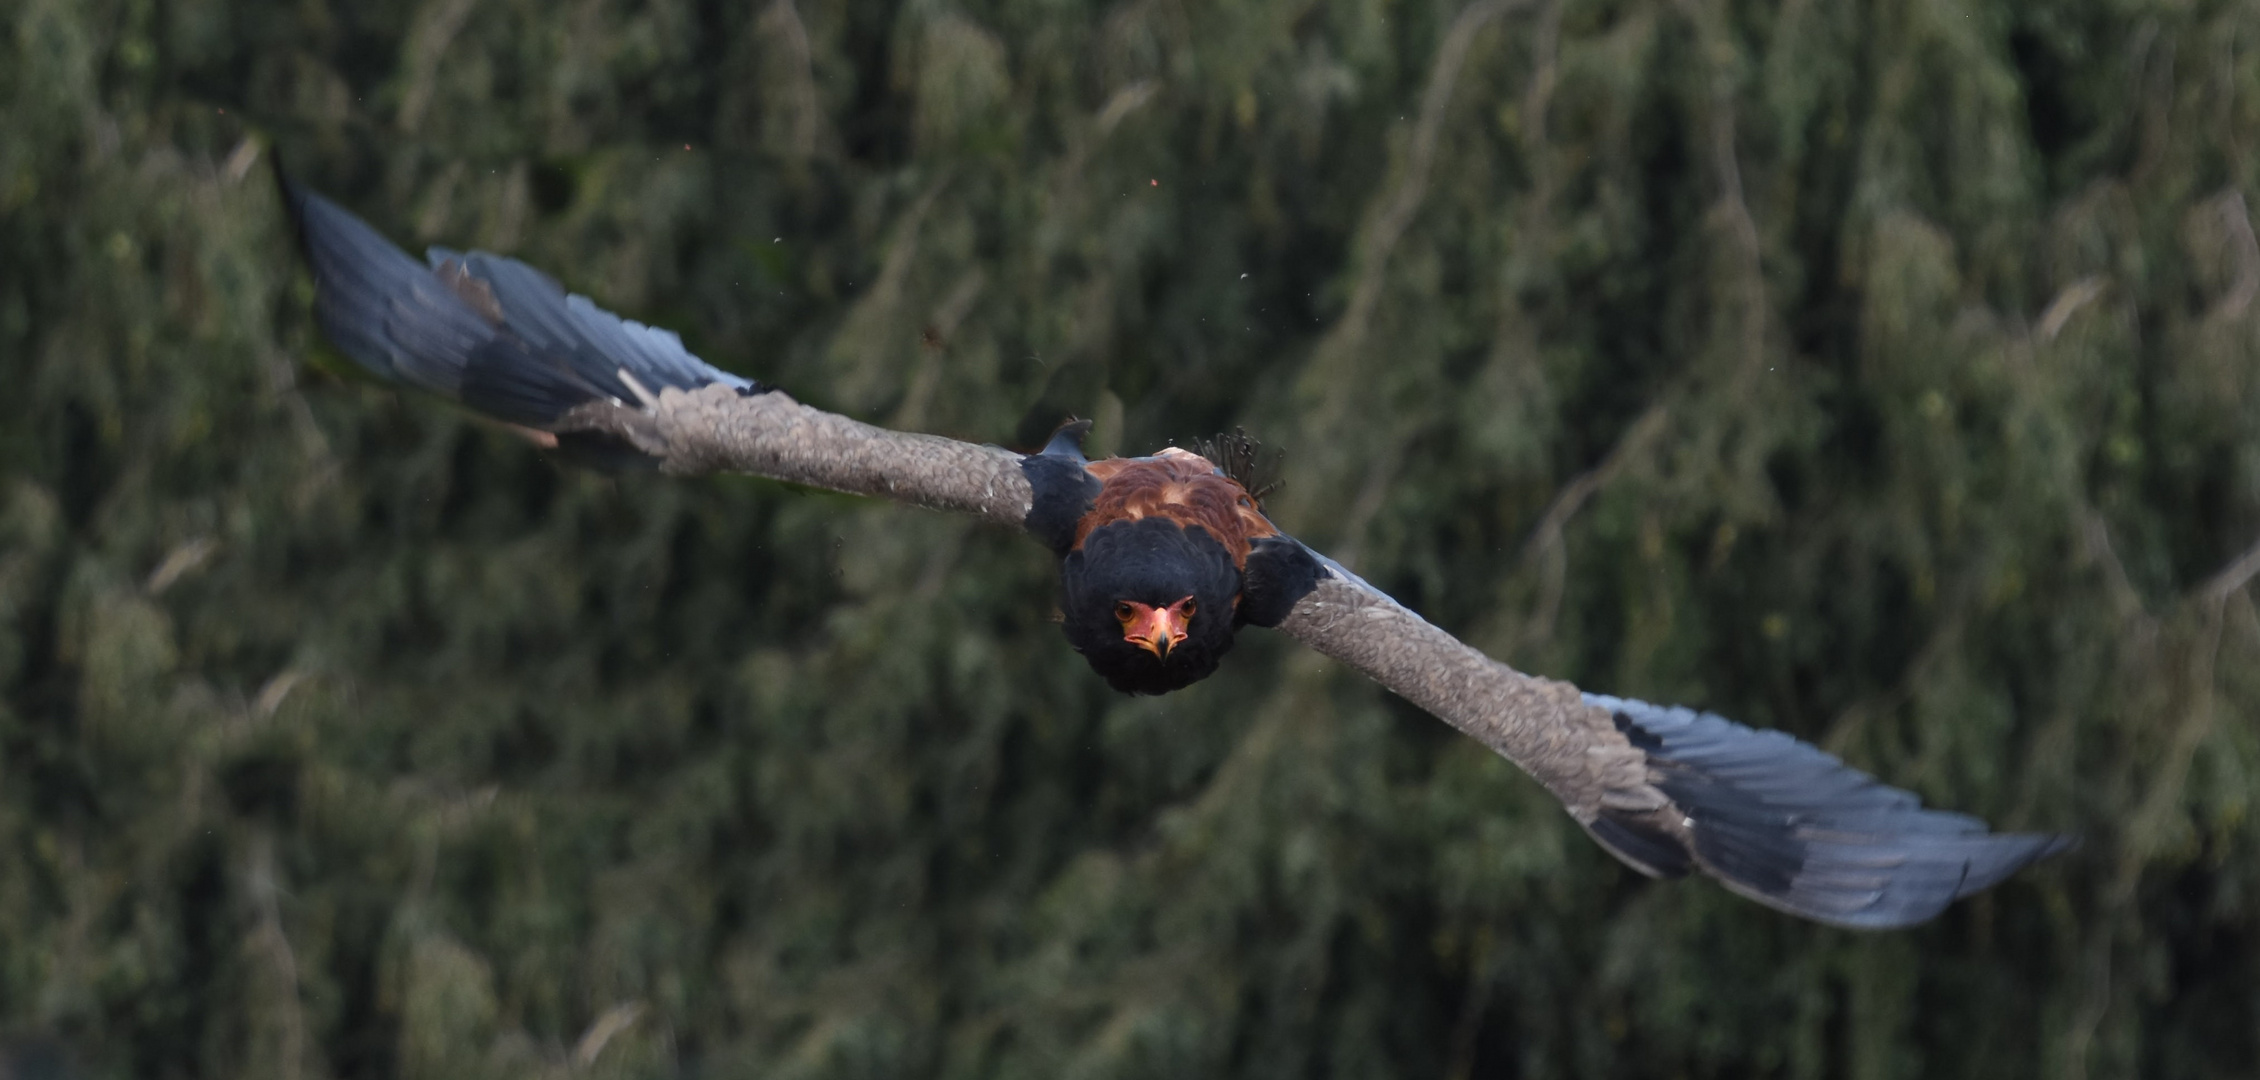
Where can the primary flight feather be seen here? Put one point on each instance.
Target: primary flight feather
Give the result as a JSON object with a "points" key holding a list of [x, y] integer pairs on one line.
{"points": [[1162, 560]]}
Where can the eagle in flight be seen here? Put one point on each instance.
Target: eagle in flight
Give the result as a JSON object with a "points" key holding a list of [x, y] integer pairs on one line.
{"points": [[1162, 560]]}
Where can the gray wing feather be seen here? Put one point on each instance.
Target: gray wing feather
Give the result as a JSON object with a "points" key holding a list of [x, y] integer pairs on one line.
{"points": [[381, 307], [1787, 825], [489, 331], [594, 343]]}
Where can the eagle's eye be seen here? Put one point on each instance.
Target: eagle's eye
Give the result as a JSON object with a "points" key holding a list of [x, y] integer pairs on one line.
{"points": [[1187, 607], [1123, 610]]}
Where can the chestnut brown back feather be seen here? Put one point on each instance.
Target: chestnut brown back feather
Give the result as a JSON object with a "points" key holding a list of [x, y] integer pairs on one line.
{"points": [[1180, 486]]}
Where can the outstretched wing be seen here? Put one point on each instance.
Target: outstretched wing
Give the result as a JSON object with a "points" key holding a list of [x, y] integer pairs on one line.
{"points": [[488, 331], [1670, 790], [504, 339]]}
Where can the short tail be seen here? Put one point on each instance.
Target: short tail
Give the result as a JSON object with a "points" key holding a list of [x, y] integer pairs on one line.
{"points": [[1238, 455]]}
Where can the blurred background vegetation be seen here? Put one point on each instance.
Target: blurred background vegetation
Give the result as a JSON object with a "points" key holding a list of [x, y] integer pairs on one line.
{"points": [[1881, 371]]}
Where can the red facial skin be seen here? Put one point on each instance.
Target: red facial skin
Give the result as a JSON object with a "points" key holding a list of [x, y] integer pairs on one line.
{"points": [[1156, 630]]}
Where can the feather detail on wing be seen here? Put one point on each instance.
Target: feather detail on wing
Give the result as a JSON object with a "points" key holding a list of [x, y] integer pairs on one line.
{"points": [[504, 339], [1672, 790], [491, 332], [1789, 826]]}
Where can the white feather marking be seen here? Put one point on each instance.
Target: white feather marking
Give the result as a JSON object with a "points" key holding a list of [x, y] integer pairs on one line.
{"points": [[642, 392]]}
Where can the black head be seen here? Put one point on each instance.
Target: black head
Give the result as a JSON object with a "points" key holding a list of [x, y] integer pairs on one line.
{"points": [[1149, 563]]}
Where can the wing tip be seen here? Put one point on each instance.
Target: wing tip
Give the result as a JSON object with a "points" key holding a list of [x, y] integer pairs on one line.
{"points": [[2007, 853], [294, 196], [1780, 822]]}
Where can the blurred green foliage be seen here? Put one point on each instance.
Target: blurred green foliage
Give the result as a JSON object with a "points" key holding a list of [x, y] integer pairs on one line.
{"points": [[1879, 371]]}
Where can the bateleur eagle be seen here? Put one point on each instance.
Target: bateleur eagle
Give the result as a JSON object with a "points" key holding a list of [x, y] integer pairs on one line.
{"points": [[1162, 560]]}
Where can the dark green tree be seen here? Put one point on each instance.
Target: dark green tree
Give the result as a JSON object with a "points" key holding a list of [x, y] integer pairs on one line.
{"points": [[1882, 372]]}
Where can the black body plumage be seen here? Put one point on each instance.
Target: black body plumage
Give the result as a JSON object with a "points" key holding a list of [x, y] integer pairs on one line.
{"points": [[1061, 488], [1154, 561], [1280, 572]]}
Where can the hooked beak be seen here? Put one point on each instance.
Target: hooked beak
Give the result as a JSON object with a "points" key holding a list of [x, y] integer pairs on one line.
{"points": [[1156, 630]]}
